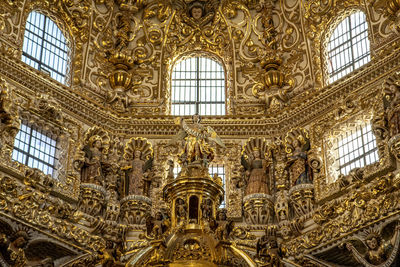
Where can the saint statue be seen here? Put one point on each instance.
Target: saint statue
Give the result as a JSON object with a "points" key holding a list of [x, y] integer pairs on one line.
{"points": [[206, 209], [256, 173], [393, 109], [297, 145], [196, 139], [299, 170], [138, 176], [180, 211], [91, 171]]}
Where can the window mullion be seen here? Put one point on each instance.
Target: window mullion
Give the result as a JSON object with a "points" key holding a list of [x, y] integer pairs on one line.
{"points": [[42, 45], [363, 146], [29, 146], [351, 44], [198, 85]]}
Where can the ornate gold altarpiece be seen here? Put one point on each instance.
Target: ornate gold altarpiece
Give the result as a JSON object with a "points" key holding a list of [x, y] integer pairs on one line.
{"points": [[285, 205]]}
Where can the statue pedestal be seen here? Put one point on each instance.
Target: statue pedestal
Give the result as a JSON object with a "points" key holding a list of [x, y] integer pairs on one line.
{"points": [[302, 197], [92, 199], [258, 208], [135, 209]]}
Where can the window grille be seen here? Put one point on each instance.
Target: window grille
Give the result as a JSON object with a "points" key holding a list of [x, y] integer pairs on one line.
{"points": [[35, 149], [348, 47], [45, 47], [219, 169], [356, 148], [198, 86]]}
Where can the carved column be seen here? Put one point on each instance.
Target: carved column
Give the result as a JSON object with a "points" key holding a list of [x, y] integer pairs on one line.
{"points": [[282, 195], [391, 93], [112, 204], [9, 121]]}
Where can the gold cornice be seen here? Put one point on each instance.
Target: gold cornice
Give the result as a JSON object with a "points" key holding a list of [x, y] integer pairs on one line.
{"points": [[91, 112]]}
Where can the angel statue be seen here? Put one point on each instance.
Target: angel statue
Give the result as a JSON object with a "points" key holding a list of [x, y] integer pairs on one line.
{"points": [[297, 145], [196, 140], [256, 166], [138, 172], [379, 251]]}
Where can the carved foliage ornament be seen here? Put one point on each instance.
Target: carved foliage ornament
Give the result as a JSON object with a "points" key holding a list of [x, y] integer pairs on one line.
{"points": [[9, 121]]}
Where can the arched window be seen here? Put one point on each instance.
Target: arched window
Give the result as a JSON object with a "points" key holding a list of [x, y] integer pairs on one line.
{"points": [[198, 86], [348, 47], [45, 47]]}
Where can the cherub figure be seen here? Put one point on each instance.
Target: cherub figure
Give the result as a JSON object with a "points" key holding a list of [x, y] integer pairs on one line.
{"points": [[16, 248], [378, 251], [109, 257], [217, 179], [199, 13]]}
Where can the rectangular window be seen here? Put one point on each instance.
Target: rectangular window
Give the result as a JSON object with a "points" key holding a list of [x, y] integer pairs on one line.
{"points": [[35, 149], [220, 171], [356, 148]]}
